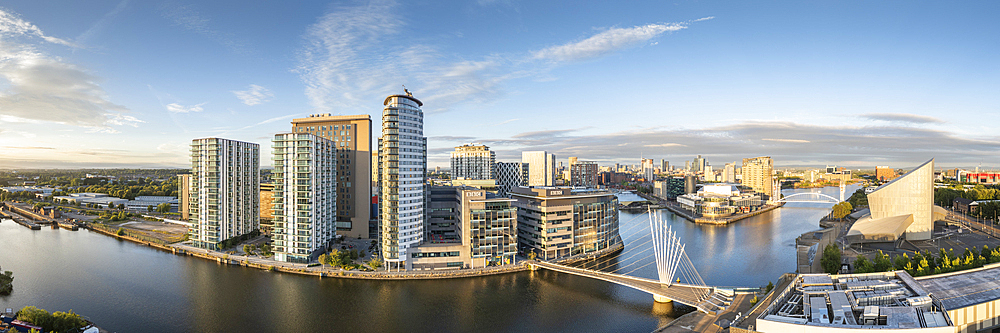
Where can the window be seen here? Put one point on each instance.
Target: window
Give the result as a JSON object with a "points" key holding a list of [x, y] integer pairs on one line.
{"points": [[347, 126]]}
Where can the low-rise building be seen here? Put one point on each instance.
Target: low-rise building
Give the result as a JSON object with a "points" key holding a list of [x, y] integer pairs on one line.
{"points": [[720, 200], [557, 222], [891, 301], [468, 228]]}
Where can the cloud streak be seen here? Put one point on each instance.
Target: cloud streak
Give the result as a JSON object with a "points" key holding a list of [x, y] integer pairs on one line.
{"points": [[606, 42], [254, 96], [902, 117], [178, 108]]}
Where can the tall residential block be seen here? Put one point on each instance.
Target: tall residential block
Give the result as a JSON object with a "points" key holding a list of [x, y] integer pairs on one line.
{"points": [[352, 139], [224, 195], [510, 175], [583, 173], [472, 162], [541, 167], [184, 194], [758, 174], [729, 173], [403, 170], [304, 200], [557, 222], [664, 166]]}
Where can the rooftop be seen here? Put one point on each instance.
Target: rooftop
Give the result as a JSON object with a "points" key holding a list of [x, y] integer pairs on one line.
{"points": [[891, 300], [962, 289]]}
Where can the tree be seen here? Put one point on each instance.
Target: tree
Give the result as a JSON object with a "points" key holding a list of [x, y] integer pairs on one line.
{"points": [[150, 208], [770, 286], [324, 258], [121, 206], [55, 322], [375, 263], [6, 283], [862, 265], [882, 262], [831, 259], [247, 249], [120, 232]]}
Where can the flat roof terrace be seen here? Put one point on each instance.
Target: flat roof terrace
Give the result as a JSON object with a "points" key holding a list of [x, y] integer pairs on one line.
{"points": [[965, 288]]}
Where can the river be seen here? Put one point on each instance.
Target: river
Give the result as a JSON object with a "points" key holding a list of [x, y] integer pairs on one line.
{"points": [[125, 287]]}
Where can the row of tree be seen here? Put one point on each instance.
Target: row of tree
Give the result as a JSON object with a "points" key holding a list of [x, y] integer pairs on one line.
{"points": [[345, 259], [945, 196], [920, 264], [60, 322]]}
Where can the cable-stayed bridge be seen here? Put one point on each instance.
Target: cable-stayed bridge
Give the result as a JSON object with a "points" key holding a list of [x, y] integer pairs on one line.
{"points": [[677, 279]]}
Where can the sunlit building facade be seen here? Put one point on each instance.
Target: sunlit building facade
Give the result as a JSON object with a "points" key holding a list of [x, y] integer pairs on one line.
{"points": [[224, 197], [403, 168], [910, 194], [304, 199]]}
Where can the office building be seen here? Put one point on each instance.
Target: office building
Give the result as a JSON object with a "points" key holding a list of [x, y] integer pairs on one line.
{"points": [[510, 175], [352, 137], [557, 222], [698, 165], [224, 201], [664, 166], [304, 203], [472, 162], [758, 175], [885, 173], [583, 174], [729, 173], [468, 228], [541, 167], [403, 170]]}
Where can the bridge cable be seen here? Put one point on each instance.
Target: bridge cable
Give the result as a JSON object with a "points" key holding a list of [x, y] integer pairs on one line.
{"points": [[633, 254], [625, 246], [633, 263]]}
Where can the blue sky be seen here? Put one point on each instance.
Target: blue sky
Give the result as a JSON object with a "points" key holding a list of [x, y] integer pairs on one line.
{"points": [[130, 83]]}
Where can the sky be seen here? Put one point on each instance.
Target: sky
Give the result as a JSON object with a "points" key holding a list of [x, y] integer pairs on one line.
{"points": [[853, 83]]}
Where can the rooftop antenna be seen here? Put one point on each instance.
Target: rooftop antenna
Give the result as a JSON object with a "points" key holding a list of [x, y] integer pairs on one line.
{"points": [[407, 91]]}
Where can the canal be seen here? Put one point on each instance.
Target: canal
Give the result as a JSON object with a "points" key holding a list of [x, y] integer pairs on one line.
{"points": [[125, 287]]}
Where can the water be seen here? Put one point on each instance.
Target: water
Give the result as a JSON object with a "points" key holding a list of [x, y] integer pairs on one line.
{"points": [[126, 287]]}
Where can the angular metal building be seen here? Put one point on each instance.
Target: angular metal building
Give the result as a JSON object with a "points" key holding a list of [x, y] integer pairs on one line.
{"points": [[910, 194]]}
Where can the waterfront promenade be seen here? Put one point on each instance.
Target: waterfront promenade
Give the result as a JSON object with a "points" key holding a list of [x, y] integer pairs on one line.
{"points": [[690, 216]]}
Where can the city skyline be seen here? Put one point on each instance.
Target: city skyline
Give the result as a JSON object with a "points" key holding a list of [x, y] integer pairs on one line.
{"points": [[127, 84]]}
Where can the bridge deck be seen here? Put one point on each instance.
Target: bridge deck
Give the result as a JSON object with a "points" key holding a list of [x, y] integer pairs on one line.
{"points": [[683, 293]]}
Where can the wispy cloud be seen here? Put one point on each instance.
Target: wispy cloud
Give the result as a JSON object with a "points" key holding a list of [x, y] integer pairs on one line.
{"points": [[355, 54], [44, 88], [187, 17], [902, 117], [177, 108], [787, 140], [101, 24], [12, 25], [606, 42], [255, 95], [508, 121]]}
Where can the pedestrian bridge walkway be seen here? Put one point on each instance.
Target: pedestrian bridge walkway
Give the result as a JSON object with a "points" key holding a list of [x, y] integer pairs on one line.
{"points": [[704, 298]]}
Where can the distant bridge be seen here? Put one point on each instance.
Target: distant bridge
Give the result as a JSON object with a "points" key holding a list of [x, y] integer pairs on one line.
{"points": [[821, 198], [672, 265]]}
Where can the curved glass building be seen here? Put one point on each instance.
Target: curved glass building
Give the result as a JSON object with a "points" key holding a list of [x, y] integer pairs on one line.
{"points": [[403, 167]]}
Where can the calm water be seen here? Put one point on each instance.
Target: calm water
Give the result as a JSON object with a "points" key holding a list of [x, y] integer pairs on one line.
{"points": [[126, 287]]}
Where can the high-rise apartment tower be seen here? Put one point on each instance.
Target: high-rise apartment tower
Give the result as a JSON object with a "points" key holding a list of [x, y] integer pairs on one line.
{"points": [[472, 162], [224, 197], [403, 170], [304, 199], [351, 135]]}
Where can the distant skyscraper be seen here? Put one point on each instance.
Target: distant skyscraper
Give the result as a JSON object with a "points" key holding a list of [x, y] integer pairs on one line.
{"points": [[729, 173], [583, 173], [687, 165], [758, 175], [541, 167], [305, 207], [225, 190], [664, 166], [647, 170], [352, 137], [510, 175], [698, 165], [472, 162], [572, 160], [403, 163]]}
